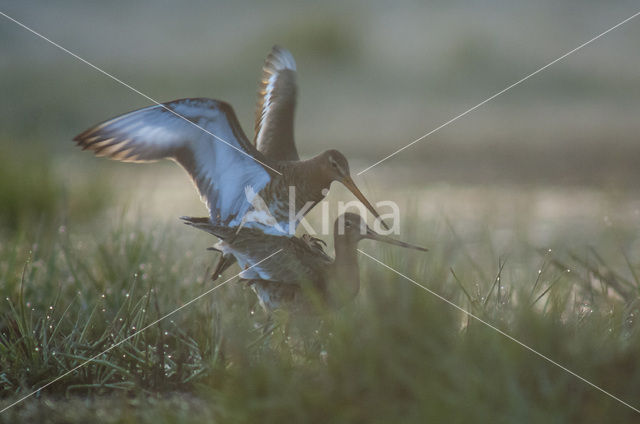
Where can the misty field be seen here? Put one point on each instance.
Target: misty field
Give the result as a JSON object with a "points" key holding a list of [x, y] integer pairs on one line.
{"points": [[529, 207]]}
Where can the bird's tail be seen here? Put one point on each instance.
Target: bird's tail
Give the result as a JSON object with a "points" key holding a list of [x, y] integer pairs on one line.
{"points": [[205, 224]]}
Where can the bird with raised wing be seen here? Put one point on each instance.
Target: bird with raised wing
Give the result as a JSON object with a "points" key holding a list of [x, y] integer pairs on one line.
{"points": [[205, 138], [301, 276]]}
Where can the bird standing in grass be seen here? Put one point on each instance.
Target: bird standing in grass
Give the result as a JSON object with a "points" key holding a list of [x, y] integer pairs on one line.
{"points": [[301, 276]]}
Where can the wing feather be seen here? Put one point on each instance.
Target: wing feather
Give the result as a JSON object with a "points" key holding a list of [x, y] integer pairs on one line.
{"points": [[297, 262], [276, 107], [215, 152]]}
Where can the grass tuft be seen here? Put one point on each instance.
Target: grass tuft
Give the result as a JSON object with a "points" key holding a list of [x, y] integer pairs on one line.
{"points": [[396, 351]]}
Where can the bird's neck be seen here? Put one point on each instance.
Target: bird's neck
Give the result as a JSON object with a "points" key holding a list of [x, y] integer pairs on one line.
{"points": [[346, 280], [307, 175]]}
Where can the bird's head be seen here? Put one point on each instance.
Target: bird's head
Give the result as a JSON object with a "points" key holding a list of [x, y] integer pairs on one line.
{"points": [[335, 167], [354, 228]]}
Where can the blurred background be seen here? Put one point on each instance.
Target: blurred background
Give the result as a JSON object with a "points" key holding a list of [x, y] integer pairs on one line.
{"points": [[373, 76], [543, 177]]}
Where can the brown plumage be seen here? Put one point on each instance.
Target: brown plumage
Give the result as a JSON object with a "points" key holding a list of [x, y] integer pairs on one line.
{"points": [[205, 138], [301, 275]]}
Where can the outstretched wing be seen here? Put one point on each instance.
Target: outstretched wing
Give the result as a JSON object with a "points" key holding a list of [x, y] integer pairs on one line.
{"points": [[276, 107], [202, 135]]}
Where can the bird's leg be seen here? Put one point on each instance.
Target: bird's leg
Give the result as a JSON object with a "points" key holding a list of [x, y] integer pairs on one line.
{"points": [[269, 325], [223, 263]]}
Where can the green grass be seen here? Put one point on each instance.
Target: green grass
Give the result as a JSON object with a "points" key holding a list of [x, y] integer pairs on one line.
{"points": [[32, 194], [397, 351]]}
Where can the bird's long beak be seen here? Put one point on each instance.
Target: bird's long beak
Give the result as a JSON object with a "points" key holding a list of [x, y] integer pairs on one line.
{"points": [[348, 183], [379, 237]]}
